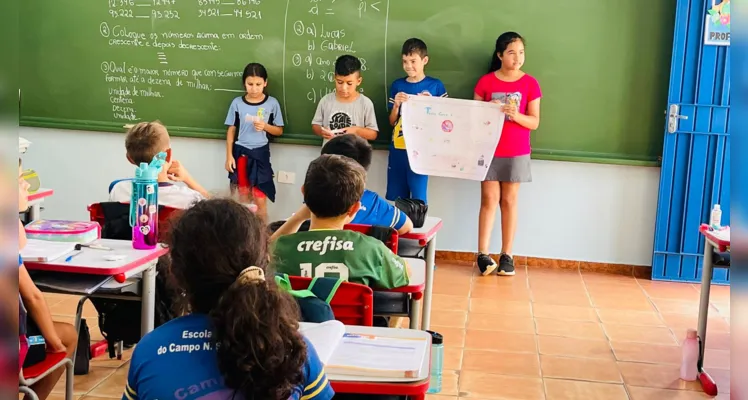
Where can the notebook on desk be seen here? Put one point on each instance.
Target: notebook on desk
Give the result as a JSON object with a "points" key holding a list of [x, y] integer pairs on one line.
{"points": [[44, 250], [365, 355]]}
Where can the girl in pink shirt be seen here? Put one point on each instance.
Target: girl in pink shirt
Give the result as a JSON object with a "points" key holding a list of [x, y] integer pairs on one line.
{"points": [[519, 96]]}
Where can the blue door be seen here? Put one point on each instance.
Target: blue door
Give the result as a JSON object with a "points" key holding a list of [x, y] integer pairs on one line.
{"points": [[695, 171]]}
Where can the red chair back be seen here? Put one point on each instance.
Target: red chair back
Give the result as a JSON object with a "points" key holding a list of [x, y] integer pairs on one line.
{"points": [[391, 243], [96, 214], [353, 304]]}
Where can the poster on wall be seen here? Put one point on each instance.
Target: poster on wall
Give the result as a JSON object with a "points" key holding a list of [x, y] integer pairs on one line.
{"points": [[453, 138], [717, 27]]}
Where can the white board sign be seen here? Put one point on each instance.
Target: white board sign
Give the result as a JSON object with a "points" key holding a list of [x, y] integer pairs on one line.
{"points": [[453, 138]]}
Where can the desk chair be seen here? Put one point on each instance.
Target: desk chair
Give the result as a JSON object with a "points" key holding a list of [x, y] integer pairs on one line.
{"points": [[114, 219], [31, 375], [352, 304], [391, 241], [398, 301]]}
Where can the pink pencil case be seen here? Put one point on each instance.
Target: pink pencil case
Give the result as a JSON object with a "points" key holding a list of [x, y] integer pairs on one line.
{"points": [[64, 231]]}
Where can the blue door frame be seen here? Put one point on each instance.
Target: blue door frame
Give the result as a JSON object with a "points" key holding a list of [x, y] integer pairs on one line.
{"points": [[695, 172]]}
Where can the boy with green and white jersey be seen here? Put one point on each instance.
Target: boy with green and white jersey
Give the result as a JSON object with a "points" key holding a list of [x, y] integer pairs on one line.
{"points": [[332, 190]]}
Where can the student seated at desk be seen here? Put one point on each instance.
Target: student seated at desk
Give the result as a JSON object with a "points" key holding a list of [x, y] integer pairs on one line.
{"points": [[143, 142], [332, 190], [241, 340], [374, 209], [58, 336]]}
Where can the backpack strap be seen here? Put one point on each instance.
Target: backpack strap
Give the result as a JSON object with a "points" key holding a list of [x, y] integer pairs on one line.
{"points": [[325, 288], [284, 283]]}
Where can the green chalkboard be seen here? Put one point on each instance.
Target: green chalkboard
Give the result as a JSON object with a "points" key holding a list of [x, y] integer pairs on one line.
{"points": [[97, 65]]}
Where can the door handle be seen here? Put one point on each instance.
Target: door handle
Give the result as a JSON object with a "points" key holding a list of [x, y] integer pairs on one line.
{"points": [[673, 117]]}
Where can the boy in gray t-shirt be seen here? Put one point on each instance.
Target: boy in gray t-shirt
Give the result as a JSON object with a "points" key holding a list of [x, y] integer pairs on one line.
{"points": [[346, 110]]}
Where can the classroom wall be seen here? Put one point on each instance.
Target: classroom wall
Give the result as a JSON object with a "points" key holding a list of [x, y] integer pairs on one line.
{"points": [[589, 212]]}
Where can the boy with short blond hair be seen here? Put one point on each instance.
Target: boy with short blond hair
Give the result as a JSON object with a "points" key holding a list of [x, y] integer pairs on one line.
{"points": [[142, 143]]}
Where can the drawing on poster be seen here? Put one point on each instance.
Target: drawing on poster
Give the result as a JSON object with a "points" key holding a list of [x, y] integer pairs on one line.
{"points": [[453, 138]]}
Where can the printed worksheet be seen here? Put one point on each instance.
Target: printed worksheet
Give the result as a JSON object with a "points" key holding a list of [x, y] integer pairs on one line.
{"points": [[454, 138]]}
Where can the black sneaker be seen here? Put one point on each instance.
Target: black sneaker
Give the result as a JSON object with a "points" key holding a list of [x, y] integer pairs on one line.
{"points": [[486, 264], [506, 265]]}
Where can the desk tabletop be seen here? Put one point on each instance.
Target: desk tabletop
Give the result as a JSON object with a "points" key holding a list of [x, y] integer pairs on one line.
{"points": [[40, 194], [423, 374], [720, 238], [94, 262], [430, 228]]}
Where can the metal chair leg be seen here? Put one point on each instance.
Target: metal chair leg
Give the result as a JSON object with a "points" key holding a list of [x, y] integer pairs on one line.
{"points": [[28, 392], [69, 379]]}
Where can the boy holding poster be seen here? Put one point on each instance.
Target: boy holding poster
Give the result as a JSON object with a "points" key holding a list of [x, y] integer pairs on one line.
{"points": [[401, 180]]}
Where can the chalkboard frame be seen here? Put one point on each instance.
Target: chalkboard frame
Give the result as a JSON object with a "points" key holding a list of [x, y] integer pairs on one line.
{"points": [[306, 140]]}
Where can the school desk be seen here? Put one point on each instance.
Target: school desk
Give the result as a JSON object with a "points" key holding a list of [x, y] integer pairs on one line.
{"points": [[35, 203], [89, 274], [425, 236], [712, 243], [415, 288], [414, 388]]}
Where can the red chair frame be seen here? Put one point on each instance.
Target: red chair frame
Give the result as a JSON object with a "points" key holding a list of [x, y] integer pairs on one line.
{"points": [[353, 304]]}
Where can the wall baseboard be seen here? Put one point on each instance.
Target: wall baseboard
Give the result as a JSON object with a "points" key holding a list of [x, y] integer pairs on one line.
{"points": [[638, 271]]}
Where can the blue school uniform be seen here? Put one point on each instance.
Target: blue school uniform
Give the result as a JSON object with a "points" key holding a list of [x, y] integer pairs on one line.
{"points": [[178, 361], [401, 180], [377, 211], [253, 143]]}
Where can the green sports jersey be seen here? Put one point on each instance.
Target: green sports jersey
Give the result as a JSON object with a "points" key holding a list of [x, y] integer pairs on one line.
{"points": [[343, 254]]}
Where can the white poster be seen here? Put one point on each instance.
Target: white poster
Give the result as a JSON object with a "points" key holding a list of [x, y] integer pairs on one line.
{"points": [[454, 138]]}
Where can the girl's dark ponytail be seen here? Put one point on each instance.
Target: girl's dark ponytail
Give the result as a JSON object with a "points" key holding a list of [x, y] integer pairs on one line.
{"points": [[501, 44], [261, 353], [219, 260]]}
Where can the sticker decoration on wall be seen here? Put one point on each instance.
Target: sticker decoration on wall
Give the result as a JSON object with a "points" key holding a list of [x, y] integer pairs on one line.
{"points": [[717, 25]]}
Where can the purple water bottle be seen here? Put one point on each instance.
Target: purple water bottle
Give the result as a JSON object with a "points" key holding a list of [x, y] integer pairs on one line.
{"points": [[144, 204]]}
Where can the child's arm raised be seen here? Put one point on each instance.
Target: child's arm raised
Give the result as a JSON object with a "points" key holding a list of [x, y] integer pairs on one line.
{"points": [[178, 173], [292, 224], [260, 125], [531, 120], [399, 99], [274, 126]]}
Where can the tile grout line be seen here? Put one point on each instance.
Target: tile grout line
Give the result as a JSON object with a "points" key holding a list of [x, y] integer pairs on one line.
{"points": [[537, 335]]}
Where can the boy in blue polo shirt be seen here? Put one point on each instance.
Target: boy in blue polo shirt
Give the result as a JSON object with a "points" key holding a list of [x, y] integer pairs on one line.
{"points": [[401, 180], [374, 209]]}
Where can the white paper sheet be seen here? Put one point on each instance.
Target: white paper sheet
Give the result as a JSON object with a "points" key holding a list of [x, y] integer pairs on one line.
{"points": [[453, 138]]}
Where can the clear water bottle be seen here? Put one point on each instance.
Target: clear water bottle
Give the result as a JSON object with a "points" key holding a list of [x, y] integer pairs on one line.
{"points": [[144, 204], [437, 362]]}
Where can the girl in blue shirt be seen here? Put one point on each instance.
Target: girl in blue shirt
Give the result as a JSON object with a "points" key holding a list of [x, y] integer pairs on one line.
{"points": [[241, 340]]}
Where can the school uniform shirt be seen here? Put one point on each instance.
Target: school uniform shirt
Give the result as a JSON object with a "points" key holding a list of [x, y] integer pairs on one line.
{"points": [[375, 210], [169, 194], [333, 114], [343, 254], [515, 139], [429, 85], [242, 115], [178, 361]]}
